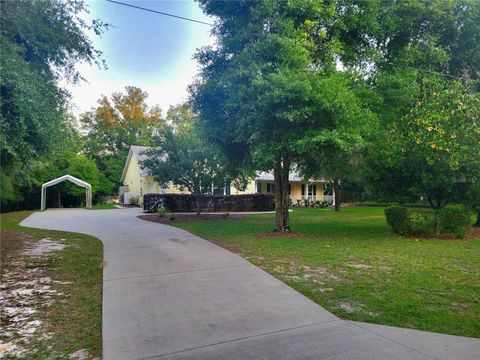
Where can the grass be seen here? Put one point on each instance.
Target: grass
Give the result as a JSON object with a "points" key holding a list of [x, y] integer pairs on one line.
{"points": [[70, 314], [351, 265], [103, 207]]}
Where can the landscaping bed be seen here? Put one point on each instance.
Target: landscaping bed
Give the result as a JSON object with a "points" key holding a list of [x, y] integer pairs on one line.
{"points": [[191, 217], [51, 293], [356, 268]]}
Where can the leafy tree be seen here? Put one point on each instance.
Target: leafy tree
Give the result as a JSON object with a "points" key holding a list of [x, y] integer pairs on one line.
{"points": [[181, 156], [258, 91], [116, 124], [433, 149], [334, 151], [41, 42], [78, 166]]}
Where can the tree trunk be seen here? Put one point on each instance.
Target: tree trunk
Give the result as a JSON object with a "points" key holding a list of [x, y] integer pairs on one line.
{"points": [[280, 176], [478, 218], [337, 191], [202, 203]]}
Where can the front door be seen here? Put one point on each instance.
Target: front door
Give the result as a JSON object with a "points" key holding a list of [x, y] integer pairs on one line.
{"points": [[312, 192]]}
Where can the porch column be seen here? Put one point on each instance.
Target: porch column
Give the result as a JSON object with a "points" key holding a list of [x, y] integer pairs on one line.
{"points": [[333, 194]]}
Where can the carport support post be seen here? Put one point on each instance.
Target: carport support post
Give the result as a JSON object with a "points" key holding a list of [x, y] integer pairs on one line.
{"points": [[43, 198], [88, 203]]}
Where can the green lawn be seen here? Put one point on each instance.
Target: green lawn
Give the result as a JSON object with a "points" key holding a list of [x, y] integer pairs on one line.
{"points": [[103, 207], [352, 266], [64, 288]]}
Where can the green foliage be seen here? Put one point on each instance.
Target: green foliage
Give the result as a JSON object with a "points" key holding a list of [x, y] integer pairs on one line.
{"points": [[116, 124], [397, 218], [78, 166], [432, 149], [161, 213], [425, 222], [457, 219], [41, 42], [269, 82], [133, 201], [171, 217], [182, 157]]}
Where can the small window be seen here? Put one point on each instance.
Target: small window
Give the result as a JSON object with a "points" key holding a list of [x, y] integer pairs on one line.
{"points": [[259, 187], [270, 188], [289, 189], [303, 189]]}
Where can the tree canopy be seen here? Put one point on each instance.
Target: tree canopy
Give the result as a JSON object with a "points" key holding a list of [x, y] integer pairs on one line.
{"points": [[117, 123], [41, 42]]}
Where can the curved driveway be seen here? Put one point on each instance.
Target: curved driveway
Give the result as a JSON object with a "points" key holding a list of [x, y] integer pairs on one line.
{"points": [[168, 294]]}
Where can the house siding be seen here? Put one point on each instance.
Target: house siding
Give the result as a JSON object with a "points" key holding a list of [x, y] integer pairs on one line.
{"points": [[140, 185], [132, 176]]}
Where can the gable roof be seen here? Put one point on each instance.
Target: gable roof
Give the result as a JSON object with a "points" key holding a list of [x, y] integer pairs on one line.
{"points": [[294, 175], [139, 152]]}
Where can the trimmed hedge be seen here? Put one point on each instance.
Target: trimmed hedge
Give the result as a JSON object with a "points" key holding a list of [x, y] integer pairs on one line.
{"points": [[397, 219], [455, 219], [187, 203]]}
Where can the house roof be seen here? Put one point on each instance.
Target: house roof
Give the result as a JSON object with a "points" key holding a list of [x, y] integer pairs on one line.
{"points": [[293, 176], [139, 152]]}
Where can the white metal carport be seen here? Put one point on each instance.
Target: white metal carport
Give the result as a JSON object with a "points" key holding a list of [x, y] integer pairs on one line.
{"points": [[72, 179]]}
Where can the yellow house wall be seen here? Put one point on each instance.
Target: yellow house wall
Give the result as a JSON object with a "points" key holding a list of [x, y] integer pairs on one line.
{"points": [[132, 176], [250, 189], [142, 185], [296, 190]]}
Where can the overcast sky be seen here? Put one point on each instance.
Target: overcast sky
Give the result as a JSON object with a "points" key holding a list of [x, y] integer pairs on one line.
{"points": [[143, 49]]}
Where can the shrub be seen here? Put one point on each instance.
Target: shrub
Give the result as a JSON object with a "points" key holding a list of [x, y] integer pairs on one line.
{"points": [[456, 219], [122, 198], [423, 222], [397, 219], [172, 216], [133, 200], [161, 213], [187, 203]]}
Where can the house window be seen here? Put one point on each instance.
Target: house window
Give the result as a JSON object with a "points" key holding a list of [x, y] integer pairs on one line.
{"points": [[259, 187], [312, 190], [270, 188], [303, 189], [218, 191], [289, 189]]}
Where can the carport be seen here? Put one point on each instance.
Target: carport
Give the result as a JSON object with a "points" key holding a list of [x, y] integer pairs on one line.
{"points": [[72, 179]]}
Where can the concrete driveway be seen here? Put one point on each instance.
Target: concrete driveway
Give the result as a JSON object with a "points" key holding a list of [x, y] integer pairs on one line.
{"points": [[168, 294]]}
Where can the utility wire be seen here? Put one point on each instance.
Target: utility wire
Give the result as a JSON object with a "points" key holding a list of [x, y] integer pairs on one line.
{"points": [[159, 12]]}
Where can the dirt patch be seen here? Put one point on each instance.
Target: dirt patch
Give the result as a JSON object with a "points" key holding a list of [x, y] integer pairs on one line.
{"points": [[355, 307], [25, 291], [43, 246], [474, 234], [359, 266], [282, 234], [190, 217]]}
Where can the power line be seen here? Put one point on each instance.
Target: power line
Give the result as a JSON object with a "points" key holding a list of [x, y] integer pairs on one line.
{"points": [[160, 12]]}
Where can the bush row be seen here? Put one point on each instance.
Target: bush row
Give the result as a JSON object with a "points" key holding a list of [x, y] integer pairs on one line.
{"points": [[456, 219], [187, 203]]}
